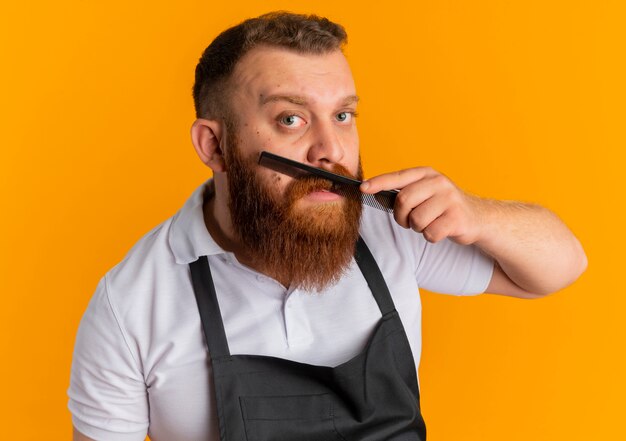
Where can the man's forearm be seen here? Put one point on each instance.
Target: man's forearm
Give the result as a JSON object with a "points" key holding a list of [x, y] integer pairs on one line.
{"points": [[531, 244]]}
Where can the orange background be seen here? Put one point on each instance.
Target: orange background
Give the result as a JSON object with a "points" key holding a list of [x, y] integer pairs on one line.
{"points": [[511, 99]]}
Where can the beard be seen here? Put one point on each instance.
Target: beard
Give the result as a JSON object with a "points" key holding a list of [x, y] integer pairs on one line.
{"points": [[309, 247]]}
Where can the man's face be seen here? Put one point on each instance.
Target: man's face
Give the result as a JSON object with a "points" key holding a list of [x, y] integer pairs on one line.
{"points": [[300, 106]]}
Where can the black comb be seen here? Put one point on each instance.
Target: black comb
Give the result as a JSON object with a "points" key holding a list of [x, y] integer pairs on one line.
{"points": [[342, 185]]}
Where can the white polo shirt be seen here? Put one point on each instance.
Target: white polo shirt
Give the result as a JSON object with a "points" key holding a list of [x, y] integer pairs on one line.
{"points": [[140, 363]]}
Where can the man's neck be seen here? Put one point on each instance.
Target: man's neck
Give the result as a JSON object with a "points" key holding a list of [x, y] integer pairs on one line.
{"points": [[219, 224]]}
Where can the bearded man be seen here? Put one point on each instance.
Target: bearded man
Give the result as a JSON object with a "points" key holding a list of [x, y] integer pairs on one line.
{"points": [[272, 307]]}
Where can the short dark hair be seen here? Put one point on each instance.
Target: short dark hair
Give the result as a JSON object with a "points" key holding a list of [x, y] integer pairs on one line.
{"points": [[298, 32]]}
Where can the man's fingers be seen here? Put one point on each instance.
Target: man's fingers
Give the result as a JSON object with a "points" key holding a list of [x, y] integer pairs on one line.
{"points": [[427, 202], [396, 180], [411, 197], [438, 229], [423, 216]]}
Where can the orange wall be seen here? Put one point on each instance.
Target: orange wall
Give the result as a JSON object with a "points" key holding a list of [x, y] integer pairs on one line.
{"points": [[515, 99]]}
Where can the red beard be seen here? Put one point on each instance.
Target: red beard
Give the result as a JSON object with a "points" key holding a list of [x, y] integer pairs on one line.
{"points": [[309, 248]]}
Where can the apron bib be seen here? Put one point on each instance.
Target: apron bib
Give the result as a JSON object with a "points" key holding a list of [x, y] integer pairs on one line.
{"points": [[372, 397]]}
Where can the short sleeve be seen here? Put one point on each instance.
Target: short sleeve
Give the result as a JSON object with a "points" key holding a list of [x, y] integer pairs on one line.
{"points": [[107, 394], [451, 268]]}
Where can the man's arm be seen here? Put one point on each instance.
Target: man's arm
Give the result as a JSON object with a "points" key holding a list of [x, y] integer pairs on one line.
{"points": [[77, 436], [107, 395], [535, 253]]}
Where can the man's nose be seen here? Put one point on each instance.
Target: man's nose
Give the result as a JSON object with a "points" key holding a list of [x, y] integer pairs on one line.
{"points": [[326, 146]]}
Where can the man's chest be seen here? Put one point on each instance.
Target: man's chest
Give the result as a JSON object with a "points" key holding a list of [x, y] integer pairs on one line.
{"points": [[260, 317]]}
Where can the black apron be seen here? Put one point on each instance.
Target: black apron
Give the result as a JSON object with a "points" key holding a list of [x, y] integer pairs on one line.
{"points": [[372, 397]]}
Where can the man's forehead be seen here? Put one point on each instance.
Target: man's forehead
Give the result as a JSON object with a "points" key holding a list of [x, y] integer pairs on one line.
{"points": [[276, 73]]}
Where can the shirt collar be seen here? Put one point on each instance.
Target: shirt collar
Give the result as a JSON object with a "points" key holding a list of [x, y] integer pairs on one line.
{"points": [[189, 238]]}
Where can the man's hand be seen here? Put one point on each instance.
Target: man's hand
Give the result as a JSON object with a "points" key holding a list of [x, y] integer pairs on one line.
{"points": [[430, 203], [536, 253]]}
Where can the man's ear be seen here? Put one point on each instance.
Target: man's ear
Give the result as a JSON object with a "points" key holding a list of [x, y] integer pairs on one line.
{"points": [[206, 136]]}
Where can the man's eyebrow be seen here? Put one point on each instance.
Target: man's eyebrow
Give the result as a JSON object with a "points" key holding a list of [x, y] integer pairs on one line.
{"points": [[301, 101], [293, 99], [352, 99]]}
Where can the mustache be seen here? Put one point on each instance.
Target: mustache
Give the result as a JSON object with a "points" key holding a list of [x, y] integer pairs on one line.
{"points": [[303, 185]]}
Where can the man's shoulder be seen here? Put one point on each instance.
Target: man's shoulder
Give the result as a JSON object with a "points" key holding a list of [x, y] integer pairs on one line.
{"points": [[158, 260], [148, 261]]}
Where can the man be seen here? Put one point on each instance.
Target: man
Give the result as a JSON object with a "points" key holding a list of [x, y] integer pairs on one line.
{"points": [[272, 308]]}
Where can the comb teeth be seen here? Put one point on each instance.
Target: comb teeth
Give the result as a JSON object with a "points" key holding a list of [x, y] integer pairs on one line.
{"points": [[383, 201]]}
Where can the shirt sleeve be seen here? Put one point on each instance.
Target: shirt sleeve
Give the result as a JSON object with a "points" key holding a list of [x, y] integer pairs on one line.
{"points": [[451, 268], [107, 394]]}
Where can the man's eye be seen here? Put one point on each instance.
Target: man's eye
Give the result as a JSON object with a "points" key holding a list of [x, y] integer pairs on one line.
{"points": [[344, 116], [291, 120]]}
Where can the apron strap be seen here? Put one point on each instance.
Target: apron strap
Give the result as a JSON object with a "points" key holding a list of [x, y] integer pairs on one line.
{"points": [[374, 277], [209, 308]]}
